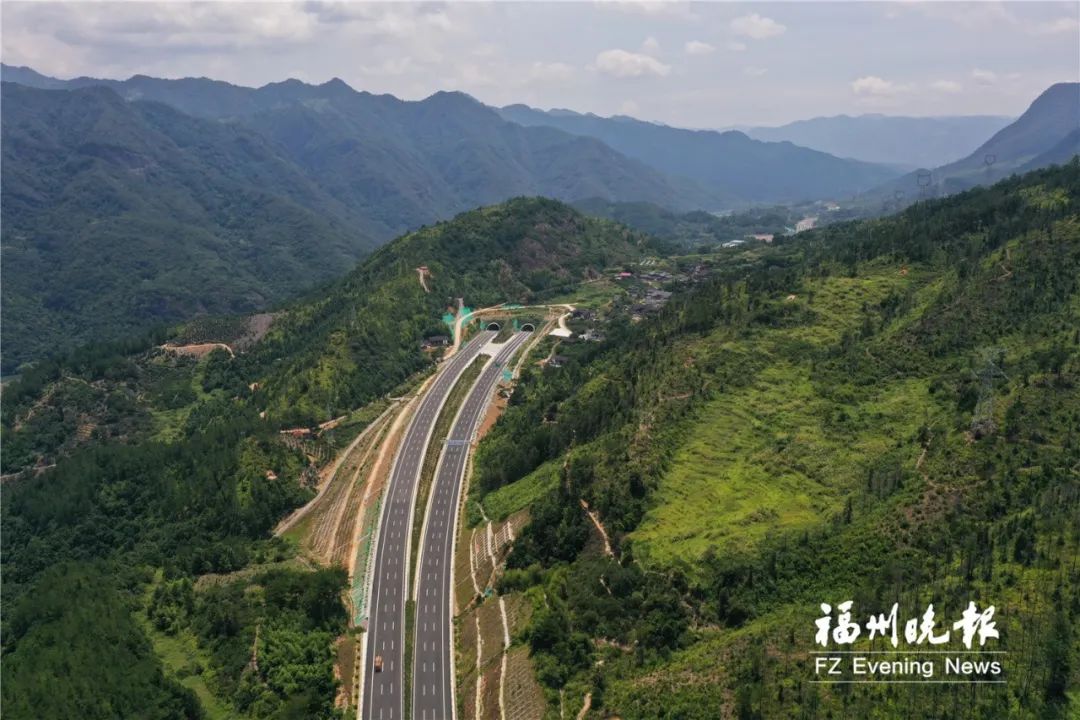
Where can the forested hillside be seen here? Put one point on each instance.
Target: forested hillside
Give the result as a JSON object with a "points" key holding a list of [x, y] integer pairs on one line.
{"points": [[360, 338], [162, 510], [336, 350], [882, 411], [130, 204], [404, 164], [118, 216]]}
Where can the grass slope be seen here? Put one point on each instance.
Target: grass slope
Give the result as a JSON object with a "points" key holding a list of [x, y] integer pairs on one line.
{"points": [[781, 453]]}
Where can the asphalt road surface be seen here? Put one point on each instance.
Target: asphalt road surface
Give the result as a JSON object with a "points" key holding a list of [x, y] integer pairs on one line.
{"points": [[382, 697], [433, 652]]}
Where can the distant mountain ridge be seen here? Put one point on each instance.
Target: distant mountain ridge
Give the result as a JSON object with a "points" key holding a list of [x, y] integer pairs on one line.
{"points": [[729, 162], [194, 195], [1052, 116], [895, 140], [407, 163], [1060, 154], [127, 204], [633, 161], [1047, 133]]}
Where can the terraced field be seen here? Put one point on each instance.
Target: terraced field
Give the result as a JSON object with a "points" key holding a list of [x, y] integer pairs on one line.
{"points": [[495, 678], [523, 698]]}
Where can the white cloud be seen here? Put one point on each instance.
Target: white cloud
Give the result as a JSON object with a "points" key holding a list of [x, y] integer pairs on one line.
{"points": [[485, 50], [696, 47], [757, 27], [624, 64], [736, 46], [979, 16], [947, 86], [391, 67], [984, 77], [472, 76], [440, 20], [878, 93], [874, 85], [673, 8], [552, 72], [753, 71], [213, 27], [990, 16], [1061, 25], [651, 45], [204, 26]]}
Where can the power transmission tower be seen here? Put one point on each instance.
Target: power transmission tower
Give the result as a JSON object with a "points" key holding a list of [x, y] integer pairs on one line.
{"points": [[982, 421]]}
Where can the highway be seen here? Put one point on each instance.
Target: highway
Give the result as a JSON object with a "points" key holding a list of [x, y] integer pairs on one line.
{"points": [[382, 697], [433, 651]]}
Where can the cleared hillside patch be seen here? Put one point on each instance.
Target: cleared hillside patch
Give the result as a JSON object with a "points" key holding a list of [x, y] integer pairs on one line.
{"points": [[781, 452], [509, 499]]}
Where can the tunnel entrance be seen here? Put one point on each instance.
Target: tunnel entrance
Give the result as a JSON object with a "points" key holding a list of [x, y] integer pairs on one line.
{"points": [[528, 327], [494, 326]]}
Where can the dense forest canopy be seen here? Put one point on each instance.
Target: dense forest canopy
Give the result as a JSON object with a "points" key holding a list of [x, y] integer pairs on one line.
{"points": [[806, 423], [120, 216], [130, 204], [884, 410], [174, 484]]}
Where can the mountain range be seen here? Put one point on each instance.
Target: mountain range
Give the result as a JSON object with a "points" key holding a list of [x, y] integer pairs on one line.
{"points": [[1047, 133], [119, 215], [128, 203], [697, 169], [730, 162], [134, 202], [901, 141], [122, 211], [405, 163]]}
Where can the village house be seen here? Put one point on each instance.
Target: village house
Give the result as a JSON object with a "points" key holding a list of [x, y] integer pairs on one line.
{"points": [[435, 341]]}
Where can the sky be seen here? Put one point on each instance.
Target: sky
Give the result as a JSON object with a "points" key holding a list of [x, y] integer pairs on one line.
{"points": [[701, 65]]}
